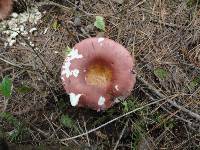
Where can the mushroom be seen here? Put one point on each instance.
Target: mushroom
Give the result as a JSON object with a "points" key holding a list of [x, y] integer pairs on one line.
{"points": [[96, 72], [5, 8]]}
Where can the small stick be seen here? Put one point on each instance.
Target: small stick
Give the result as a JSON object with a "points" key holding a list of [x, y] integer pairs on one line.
{"points": [[46, 2], [122, 133], [86, 131], [111, 121], [173, 103], [11, 63]]}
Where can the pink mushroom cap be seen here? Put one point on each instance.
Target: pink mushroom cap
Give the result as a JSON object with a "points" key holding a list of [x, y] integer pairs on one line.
{"points": [[96, 72]]}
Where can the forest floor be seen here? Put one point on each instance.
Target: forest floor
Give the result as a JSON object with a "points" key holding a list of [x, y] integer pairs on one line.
{"points": [[163, 111]]}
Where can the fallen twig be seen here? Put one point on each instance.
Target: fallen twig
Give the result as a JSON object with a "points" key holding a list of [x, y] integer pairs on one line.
{"points": [[47, 2], [11, 63], [111, 121], [122, 133], [173, 103], [164, 108]]}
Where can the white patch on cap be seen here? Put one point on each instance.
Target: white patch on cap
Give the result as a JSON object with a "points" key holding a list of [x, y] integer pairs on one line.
{"points": [[62, 78], [75, 72], [74, 54], [117, 87], [100, 40], [74, 99], [66, 67], [101, 101]]}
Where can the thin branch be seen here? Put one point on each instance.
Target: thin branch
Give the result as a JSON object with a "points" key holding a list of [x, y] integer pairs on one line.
{"points": [[122, 133], [54, 131], [86, 13], [173, 103], [111, 121], [86, 131], [46, 2], [11, 63], [163, 107], [65, 133]]}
